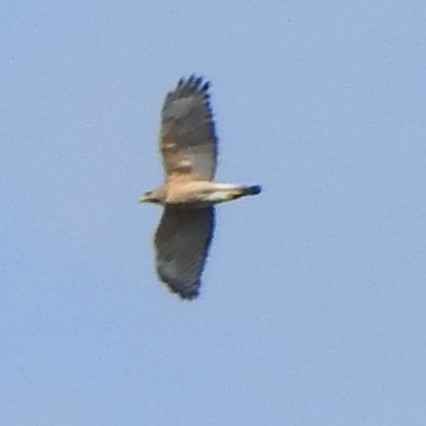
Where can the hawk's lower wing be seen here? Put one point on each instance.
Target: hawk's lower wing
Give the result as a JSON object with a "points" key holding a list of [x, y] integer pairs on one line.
{"points": [[182, 241]]}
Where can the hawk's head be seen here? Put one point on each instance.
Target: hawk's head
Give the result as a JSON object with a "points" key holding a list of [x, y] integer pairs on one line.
{"points": [[155, 196]]}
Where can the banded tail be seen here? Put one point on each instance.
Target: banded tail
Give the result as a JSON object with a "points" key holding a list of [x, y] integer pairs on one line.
{"points": [[222, 192], [251, 190]]}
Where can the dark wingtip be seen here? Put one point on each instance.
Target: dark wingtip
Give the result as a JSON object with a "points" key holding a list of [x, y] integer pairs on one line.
{"points": [[189, 296], [206, 86], [186, 291], [253, 190], [194, 83]]}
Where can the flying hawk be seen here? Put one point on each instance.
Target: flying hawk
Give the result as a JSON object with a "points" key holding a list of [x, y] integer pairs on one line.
{"points": [[188, 145]]}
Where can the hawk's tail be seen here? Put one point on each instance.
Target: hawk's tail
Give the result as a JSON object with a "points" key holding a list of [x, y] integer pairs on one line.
{"points": [[251, 190]]}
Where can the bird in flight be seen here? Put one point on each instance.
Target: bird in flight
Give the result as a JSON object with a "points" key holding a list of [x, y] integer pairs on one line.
{"points": [[188, 145]]}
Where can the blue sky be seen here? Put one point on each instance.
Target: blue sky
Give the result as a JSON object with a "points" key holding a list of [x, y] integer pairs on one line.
{"points": [[312, 310]]}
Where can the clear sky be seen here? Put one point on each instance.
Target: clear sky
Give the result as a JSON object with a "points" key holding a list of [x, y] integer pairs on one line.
{"points": [[312, 309]]}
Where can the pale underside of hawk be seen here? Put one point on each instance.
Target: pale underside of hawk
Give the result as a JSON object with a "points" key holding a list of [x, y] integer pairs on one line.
{"points": [[188, 145]]}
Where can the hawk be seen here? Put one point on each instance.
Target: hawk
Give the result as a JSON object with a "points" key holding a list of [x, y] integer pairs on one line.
{"points": [[188, 145]]}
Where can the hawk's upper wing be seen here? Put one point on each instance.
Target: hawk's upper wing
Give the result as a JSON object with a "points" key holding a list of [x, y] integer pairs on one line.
{"points": [[187, 138], [182, 241]]}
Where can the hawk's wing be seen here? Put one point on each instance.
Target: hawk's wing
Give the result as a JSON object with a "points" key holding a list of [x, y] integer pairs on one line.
{"points": [[182, 241], [187, 138]]}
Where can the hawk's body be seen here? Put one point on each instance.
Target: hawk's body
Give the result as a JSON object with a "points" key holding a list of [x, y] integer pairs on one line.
{"points": [[188, 145]]}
